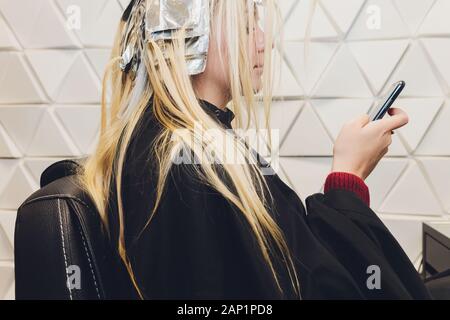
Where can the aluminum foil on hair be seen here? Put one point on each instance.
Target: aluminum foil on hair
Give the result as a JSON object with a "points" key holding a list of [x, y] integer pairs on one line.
{"points": [[132, 35], [159, 21], [165, 17]]}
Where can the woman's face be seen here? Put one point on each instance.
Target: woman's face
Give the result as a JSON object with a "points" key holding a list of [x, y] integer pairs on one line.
{"points": [[217, 73], [257, 58]]}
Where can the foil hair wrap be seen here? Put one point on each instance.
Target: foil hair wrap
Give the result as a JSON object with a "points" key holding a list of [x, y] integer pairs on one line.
{"points": [[159, 21], [165, 17], [162, 19]]}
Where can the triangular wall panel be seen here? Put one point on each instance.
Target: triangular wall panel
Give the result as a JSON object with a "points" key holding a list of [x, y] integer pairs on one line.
{"points": [[439, 51], [51, 139], [99, 58], [343, 12], [80, 84], [408, 232], [82, 123], [283, 114], [67, 76], [400, 199], [414, 12], [435, 141], [7, 148], [298, 141], [6, 280], [307, 176], [415, 69], [295, 27], [41, 25], [421, 113], [388, 54], [18, 188], [7, 38], [336, 112], [20, 123], [437, 23], [383, 178], [309, 62], [7, 167], [343, 78], [7, 223], [285, 84], [438, 170], [17, 82], [52, 67]]}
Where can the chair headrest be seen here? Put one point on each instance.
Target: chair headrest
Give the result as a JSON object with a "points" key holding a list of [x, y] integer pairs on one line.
{"points": [[61, 169]]}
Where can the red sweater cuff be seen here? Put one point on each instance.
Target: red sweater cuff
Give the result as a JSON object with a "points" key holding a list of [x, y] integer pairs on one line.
{"points": [[350, 182]]}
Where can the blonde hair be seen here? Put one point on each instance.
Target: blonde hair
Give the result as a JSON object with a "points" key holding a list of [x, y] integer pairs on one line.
{"points": [[175, 106]]}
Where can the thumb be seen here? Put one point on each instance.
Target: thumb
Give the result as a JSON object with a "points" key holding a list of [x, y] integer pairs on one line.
{"points": [[398, 118]]}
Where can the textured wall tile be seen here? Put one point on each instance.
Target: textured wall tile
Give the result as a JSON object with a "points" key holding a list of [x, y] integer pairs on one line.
{"points": [[17, 82], [298, 141], [436, 140], [415, 69], [412, 182], [41, 25], [6, 280], [343, 78], [436, 22], [388, 55]]}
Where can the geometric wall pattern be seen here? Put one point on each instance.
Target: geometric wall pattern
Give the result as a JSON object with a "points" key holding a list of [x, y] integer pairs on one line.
{"points": [[50, 91]]}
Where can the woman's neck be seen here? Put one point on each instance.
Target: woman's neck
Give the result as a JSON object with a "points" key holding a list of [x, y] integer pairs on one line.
{"points": [[211, 93]]}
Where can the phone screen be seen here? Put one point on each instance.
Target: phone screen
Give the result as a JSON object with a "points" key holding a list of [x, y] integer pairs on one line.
{"points": [[380, 110]]}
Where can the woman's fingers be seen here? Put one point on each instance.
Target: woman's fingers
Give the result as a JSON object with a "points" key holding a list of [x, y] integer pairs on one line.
{"points": [[398, 118], [397, 111]]}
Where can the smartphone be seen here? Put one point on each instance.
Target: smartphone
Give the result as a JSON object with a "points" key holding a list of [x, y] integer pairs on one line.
{"points": [[380, 111]]}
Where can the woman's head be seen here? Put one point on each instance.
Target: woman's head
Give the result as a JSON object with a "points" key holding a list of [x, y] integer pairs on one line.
{"points": [[160, 74], [238, 49], [216, 76]]}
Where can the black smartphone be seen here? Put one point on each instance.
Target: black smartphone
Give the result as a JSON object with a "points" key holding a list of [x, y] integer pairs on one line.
{"points": [[380, 111]]}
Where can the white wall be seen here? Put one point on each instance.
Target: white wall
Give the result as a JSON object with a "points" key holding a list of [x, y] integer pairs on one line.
{"points": [[50, 87]]}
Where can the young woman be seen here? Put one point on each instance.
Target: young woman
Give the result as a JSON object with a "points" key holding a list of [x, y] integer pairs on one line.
{"points": [[221, 229]]}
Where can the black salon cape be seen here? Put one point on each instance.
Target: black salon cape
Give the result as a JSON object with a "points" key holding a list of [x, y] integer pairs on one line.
{"points": [[198, 246]]}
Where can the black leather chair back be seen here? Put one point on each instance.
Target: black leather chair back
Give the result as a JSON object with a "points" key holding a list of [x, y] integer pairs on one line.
{"points": [[61, 248]]}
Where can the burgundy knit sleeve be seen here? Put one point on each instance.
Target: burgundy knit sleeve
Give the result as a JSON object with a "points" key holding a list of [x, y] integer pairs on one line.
{"points": [[350, 182]]}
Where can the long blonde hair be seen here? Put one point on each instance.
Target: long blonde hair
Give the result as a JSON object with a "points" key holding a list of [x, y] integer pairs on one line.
{"points": [[176, 107]]}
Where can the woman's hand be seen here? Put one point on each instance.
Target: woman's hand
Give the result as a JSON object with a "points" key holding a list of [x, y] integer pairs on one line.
{"points": [[362, 143]]}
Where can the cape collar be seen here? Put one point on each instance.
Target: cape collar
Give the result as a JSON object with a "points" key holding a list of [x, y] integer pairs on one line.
{"points": [[224, 116]]}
